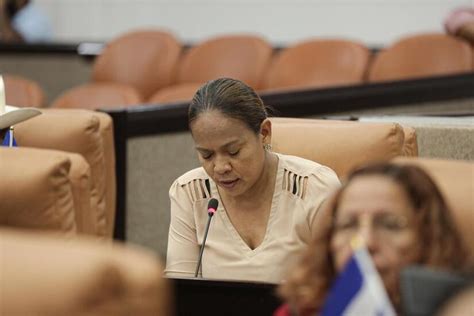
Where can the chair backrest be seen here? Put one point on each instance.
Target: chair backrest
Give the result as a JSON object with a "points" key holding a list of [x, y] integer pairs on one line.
{"points": [[420, 56], [23, 92], [98, 96], [35, 191], [318, 63], [43, 274], [86, 133], [145, 60], [340, 145], [455, 179], [243, 57]]}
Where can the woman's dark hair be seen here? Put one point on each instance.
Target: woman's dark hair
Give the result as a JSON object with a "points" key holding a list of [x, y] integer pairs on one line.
{"points": [[309, 281], [232, 98]]}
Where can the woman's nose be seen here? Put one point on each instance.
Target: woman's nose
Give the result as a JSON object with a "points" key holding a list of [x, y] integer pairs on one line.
{"points": [[221, 166], [366, 232]]}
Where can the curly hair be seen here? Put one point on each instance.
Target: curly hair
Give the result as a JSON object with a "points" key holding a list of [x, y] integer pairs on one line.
{"points": [[307, 284]]}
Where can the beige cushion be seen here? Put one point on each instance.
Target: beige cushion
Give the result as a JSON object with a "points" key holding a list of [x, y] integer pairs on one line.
{"points": [[80, 178], [455, 179], [76, 131], [107, 133], [340, 145], [43, 275], [35, 191]]}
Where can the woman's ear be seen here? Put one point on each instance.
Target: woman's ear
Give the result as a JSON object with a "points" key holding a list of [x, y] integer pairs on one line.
{"points": [[266, 131]]}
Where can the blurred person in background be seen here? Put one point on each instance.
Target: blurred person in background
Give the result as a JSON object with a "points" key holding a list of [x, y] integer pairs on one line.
{"points": [[23, 21], [460, 22], [403, 219]]}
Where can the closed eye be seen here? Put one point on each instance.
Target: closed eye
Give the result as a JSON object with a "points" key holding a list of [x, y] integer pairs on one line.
{"points": [[206, 156], [234, 153]]}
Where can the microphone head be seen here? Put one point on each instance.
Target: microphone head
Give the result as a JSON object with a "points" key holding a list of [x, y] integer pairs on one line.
{"points": [[212, 206]]}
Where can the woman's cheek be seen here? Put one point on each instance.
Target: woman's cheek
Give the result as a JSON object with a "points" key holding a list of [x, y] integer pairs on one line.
{"points": [[341, 252]]}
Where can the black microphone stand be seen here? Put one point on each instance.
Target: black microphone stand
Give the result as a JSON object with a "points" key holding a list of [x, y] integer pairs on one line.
{"points": [[203, 244]]}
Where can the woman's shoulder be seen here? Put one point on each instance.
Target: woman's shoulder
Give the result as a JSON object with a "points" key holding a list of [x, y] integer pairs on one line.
{"points": [[192, 175]]}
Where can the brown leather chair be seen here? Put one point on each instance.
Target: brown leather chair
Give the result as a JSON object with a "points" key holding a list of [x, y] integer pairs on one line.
{"points": [[23, 92], [242, 57], [318, 63], [46, 275], [421, 56], [340, 145], [128, 71], [455, 178], [90, 135], [36, 191], [145, 60]]}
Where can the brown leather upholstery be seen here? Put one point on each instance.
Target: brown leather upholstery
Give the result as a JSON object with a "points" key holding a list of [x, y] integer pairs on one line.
{"points": [[78, 131], [177, 93], [318, 63], [44, 275], [340, 145], [98, 96], [243, 57], [23, 92], [35, 191], [145, 60], [107, 132], [455, 178], [81, 185], [420, 56]]}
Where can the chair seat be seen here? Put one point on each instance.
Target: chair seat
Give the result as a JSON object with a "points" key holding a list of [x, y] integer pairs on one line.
{"points": [[175, 93]]}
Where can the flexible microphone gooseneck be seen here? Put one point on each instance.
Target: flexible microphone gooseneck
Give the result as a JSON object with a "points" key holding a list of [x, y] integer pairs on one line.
{"points": [[211, 209]]}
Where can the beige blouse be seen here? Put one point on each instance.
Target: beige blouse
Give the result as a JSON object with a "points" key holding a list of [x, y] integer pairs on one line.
{"points": [[300, 188]]}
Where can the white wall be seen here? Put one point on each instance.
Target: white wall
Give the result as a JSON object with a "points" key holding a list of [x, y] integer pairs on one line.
{"points": [[374, 22]]}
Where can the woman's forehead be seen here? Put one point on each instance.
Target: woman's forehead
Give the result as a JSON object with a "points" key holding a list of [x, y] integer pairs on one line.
{"points": [[215, 122], [214, 129], [373, 193]]}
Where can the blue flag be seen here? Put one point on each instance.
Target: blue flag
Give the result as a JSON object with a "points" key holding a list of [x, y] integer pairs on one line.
{"points": [[8, 137], [358, 290]]}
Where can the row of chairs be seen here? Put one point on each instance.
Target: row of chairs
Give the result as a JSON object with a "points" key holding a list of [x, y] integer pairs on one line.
{"points": [[65, 168], [153, 67], [78, 276]]}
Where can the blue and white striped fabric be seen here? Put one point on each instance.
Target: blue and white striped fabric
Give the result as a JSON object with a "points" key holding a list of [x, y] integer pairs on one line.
{"points": [[358, 290]]}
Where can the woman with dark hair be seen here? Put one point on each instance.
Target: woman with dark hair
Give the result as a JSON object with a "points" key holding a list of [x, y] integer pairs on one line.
{"points": [[267, 201], [403, 219]]}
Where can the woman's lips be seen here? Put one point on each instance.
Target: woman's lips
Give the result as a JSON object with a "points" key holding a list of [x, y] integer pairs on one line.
{"points": [[228, 184]]}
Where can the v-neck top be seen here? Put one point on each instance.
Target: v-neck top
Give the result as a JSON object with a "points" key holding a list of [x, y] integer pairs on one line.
{"points": [[301, 186]]}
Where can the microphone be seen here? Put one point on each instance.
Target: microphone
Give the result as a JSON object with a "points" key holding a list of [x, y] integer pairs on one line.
{"points": [[211, 209]]}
